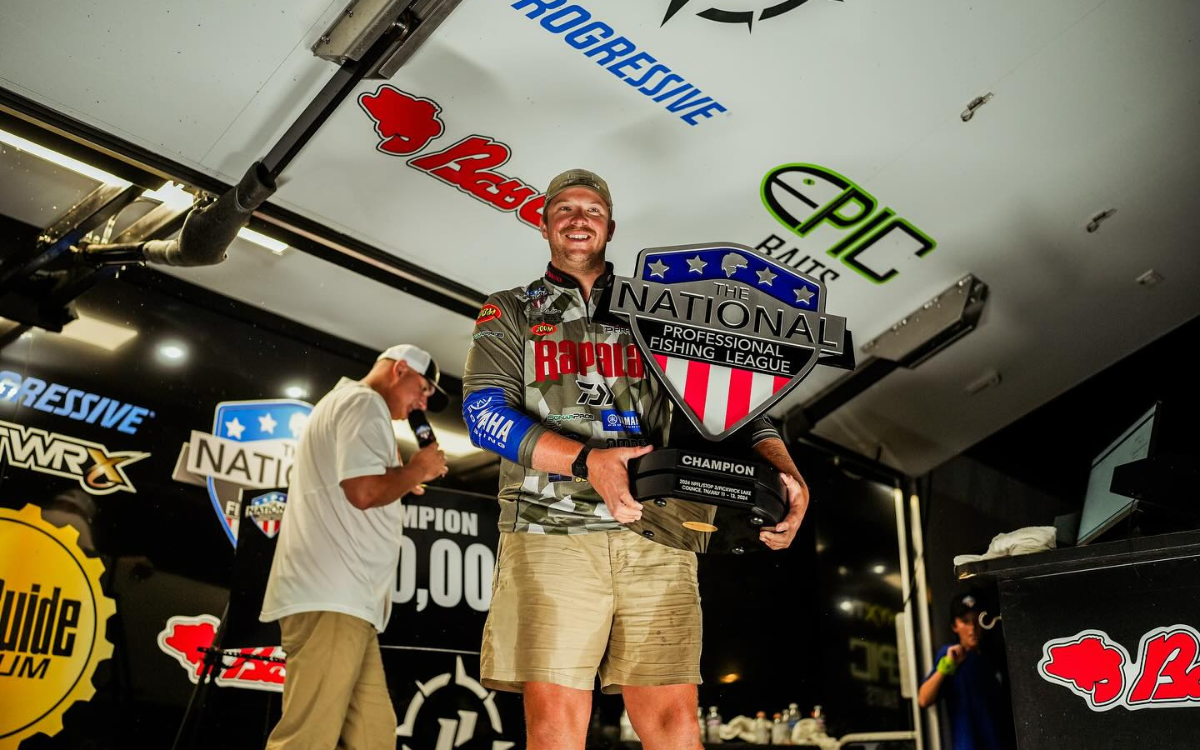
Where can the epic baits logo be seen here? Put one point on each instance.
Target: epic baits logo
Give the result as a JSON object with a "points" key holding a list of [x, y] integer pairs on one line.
{"points": [[553, 359], [252, 446], [53, 618], [487, 314], [1099, 670], [406, 124], [746, 16], [837, 218], [98, 470], [188, 638]]}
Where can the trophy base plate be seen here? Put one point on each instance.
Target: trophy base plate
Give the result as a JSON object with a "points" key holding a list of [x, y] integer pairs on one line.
{"points": [[705, 503]]}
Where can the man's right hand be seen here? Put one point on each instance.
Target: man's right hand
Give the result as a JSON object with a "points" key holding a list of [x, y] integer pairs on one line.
{"points": [[428, 463], [608, 473], [958, 653]]}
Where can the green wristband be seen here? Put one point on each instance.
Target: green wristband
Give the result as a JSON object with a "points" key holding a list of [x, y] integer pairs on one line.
{"points": [[947, 666]]}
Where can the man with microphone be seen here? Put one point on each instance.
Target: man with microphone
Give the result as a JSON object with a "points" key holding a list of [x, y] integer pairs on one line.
{"points": [[339, 544]]}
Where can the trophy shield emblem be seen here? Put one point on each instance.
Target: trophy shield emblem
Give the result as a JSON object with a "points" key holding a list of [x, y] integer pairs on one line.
{"points": [[729, 332]]}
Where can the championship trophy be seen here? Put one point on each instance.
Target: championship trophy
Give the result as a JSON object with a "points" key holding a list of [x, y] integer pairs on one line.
{"points": [[729, 332]]}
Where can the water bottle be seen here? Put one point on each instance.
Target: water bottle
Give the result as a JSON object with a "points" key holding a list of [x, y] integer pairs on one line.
{"points": [[819, 715], [762, 729], [714, 726], [793, 718], [779, 733], [700, 721]]}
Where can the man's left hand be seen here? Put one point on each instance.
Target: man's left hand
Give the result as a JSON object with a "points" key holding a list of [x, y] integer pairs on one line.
{"points": [[781, 536]]}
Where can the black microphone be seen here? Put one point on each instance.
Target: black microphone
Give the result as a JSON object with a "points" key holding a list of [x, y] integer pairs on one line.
{"points": [[421, 428]]}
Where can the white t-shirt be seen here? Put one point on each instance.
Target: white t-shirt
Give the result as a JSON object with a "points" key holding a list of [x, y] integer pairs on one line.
{"points": [[331, 556]]}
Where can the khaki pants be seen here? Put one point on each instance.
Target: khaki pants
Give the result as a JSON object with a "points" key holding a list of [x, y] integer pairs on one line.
{"points": [[566, 607], [335, 694]]}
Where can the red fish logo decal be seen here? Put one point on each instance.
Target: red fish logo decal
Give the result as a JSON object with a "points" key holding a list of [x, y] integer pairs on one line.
{"points": [[1099, 670], [185, 638]]}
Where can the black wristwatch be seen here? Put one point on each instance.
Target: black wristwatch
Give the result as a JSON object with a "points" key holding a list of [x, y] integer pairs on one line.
{"points": [[579, 466]]}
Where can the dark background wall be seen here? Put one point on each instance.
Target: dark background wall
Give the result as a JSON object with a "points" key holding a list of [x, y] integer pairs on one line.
{"points": [[812, 625], [1037, 468]]}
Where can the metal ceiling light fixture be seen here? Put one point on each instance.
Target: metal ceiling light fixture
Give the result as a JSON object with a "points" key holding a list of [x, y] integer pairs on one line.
{"points": [[372, 38], [909, 342], [1094, 224], [975, 104]]}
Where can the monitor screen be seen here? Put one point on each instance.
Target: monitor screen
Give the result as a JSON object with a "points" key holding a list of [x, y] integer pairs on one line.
{"points": [[1102, 508]]}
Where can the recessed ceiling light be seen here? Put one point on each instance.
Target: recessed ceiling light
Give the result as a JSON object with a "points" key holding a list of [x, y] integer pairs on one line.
{"points": [[172, 352], [295, 391], [845, 605], [1150, 278], [879, 569], [172, 194], [66, 162], [262, 240], [107, 336]]}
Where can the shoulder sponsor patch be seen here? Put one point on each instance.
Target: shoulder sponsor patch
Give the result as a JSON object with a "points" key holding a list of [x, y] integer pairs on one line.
{"points": [[488, 313]]}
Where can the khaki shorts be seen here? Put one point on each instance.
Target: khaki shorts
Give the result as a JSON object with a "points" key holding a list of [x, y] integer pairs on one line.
{"points": [[566, 607]]}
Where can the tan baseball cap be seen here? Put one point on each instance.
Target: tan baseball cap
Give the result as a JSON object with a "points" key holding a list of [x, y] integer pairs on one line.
{"points": [[579, 178]]}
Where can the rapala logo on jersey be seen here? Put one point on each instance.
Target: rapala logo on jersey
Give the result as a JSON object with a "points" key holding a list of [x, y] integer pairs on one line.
{"points": [[603, 45], [1099, 670], [98, 470], [765, 12], [267, 512], [406, 124], [185, 639], [72, 403], [543, 329], [487, 314], [553, 359], [621, 421], [836, 217], [53, 619]]}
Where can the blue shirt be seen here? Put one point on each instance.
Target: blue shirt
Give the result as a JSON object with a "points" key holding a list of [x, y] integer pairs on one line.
{"points": [[972, 696]]}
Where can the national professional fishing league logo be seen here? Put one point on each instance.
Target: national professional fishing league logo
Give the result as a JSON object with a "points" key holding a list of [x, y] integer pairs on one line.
{"points": [[267, 512], [729, 331], [252, 446]]}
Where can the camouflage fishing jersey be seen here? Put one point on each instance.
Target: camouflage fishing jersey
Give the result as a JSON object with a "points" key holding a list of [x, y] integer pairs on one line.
{"points": [[539, 361]]}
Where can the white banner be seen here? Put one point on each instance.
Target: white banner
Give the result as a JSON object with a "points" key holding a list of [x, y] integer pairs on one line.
{"points": [[259, 464]]}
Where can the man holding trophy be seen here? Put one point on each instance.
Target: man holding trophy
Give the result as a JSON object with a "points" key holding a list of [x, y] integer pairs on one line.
{"points": [[568, 401]]}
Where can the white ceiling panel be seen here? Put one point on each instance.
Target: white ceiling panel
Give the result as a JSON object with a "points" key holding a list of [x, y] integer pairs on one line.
{"points": [[1094, 108]]}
